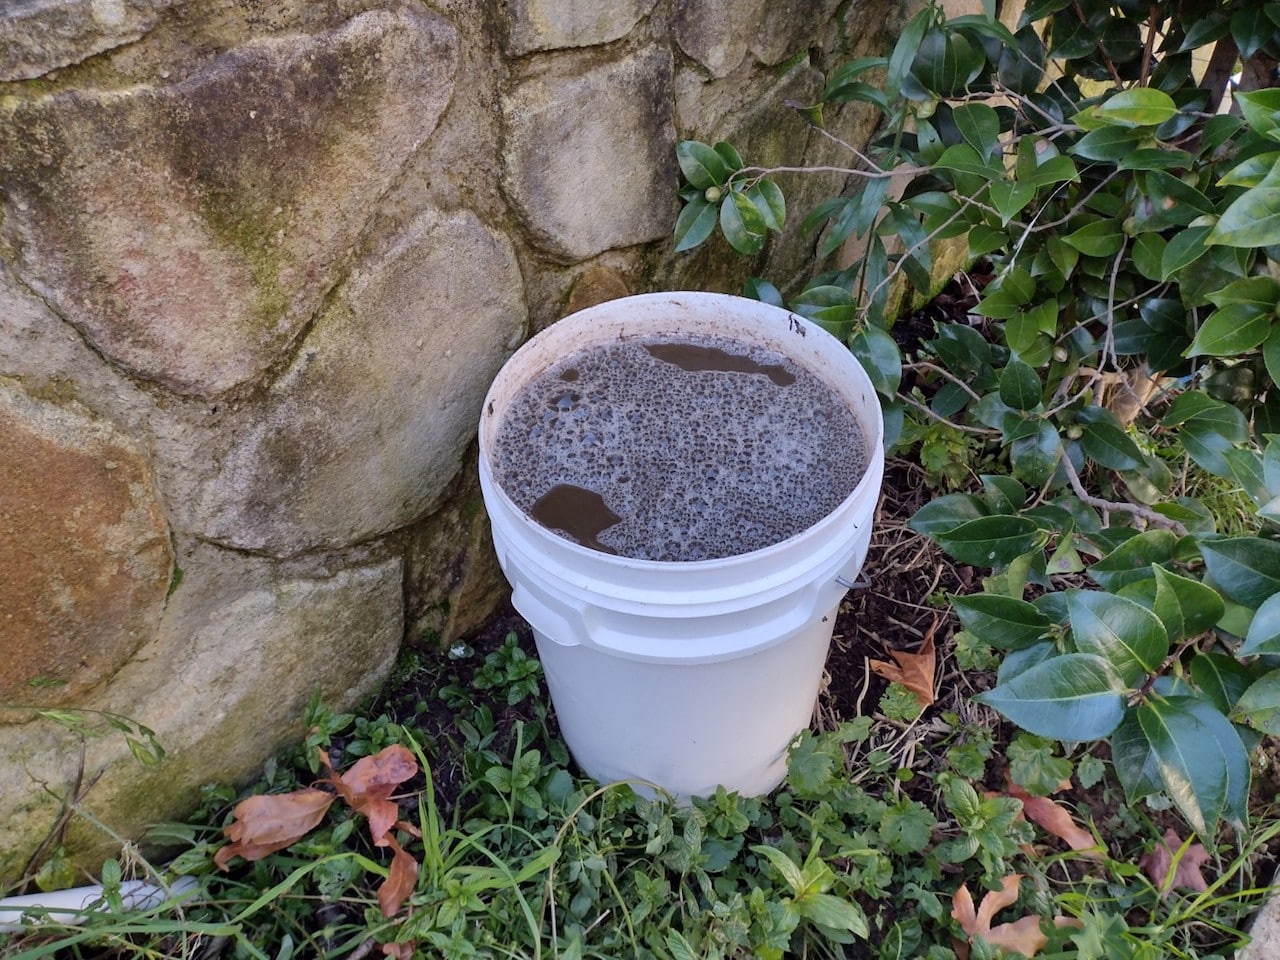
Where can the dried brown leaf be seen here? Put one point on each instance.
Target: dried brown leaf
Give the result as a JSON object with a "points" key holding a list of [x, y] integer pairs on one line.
{"points": [[914, 671], [401, 879], [368, 786], [1186, 875], [1056, 819], [269, 822], [1023, 935], [398, 951]]}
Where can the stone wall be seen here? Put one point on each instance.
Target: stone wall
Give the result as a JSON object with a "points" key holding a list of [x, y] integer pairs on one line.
{"points": [[259, 261]]}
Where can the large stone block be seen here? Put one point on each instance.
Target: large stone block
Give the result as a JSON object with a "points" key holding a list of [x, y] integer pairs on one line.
{"points": [[189, 231], [553, 24], [38, 36], [85, 559], [589, 158], [365, 430], [244, 645], [717, 33]]}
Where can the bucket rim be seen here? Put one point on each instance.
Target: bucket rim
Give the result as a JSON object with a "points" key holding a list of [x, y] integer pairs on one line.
{"points": [[691, 301]]}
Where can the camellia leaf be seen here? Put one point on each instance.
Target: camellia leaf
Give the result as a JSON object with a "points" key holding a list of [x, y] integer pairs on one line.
{"points": [[1131, 561], [1230, 331], [1252, 220], [1220, 677], [1124, 633], [1202, 764], [1138, 107], [1135, 762], [1222, 417], [742, 224], [1034, 457], [768, 199], [1107, 144], [1102, 238], [1259, 706], [1076, 696], [1006, 623], [879, 356], [696, 222], [1183, 249], [1020, 386], [1246, 569], [1110, 447], [1264, 630], [990, 541], [1186, 607], [700, 164], [947, 513]]}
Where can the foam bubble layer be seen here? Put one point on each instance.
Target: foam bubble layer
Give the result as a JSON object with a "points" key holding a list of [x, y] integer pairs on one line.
{"points": [[703, 447]]}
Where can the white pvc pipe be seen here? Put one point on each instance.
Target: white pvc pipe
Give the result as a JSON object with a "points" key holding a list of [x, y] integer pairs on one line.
{"points": [[69, 906]]}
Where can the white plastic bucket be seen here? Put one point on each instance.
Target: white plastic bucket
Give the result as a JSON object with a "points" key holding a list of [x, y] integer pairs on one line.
{"points": [[693, 674]]}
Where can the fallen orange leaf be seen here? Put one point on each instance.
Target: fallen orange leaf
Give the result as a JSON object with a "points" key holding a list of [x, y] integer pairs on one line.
{"points": [[1023, 935], [368, 785], [1056, 819], [1186, 874], [401, 879], [269, 822], [913, 670]]}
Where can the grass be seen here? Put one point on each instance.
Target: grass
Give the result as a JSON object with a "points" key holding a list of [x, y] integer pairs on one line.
{"points": [[858, 855]]}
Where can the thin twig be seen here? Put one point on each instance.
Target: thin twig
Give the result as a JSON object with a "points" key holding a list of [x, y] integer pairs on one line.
{"points": [[1133, 509], [980, 431]]}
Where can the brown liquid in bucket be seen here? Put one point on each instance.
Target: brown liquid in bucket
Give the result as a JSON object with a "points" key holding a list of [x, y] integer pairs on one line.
{"points": [[678, 448]]}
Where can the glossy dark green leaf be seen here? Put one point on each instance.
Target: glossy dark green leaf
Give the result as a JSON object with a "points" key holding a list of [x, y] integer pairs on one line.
{"points": [[1020, 386], [1186, 607], [742, 224], [696, 222], [962, 158], [1107, 144], [1148, 254], [1009, 199], [1102, 238], [905, 50], [1264, 630], [1222, 417], [979, 126], [1251, 28], [1075, 697], [1124, 633], [1246, 569], [1202, 764], [768, 199], [760, 289], [1230, 331], [990, 541], [1057, 169], [1110, 447], [1221, 678], [1184, 248], [1137, 107], [1259, 706], [1135, 762], [1131, 561], [729, 154], [1153, 158], [1252, 220], [1004, 622], [879, 356], [946, 513], [700, 164], [1003, 494], [1261, 108], [1251, 171], [1206, 446], [946, 62], [1035, 457]]}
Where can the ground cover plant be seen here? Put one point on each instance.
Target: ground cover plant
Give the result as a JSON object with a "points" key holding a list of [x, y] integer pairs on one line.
{"points": [[1115, 378], [923, 837], [1047, 725]]}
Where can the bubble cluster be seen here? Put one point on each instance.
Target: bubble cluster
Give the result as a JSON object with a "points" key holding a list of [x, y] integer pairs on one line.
{"points": [[700, 460]]}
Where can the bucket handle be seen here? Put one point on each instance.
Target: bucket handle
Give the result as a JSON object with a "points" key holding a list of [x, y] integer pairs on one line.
{"points": [[861, 583]]}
